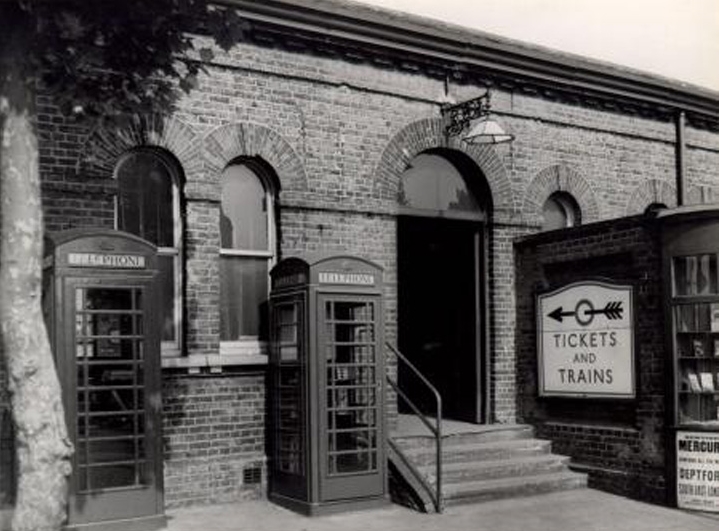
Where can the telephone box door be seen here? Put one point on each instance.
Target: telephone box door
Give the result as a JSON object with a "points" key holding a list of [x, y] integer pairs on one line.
{"points": [[351, 407], [114, 414]]}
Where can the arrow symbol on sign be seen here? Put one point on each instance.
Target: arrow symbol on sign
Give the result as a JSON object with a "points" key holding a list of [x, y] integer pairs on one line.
{"points": [[558, 314], [612, 310]]}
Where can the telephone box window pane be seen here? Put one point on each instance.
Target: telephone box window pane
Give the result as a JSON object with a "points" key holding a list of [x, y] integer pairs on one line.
{"points": [[352, 462], [288, 342], [243, 297], [243, 217], [106, 299], [145, 203], [287, 314], [107, 450], [350, 311], [288, 352], [350, 354], [166, 266], [354, 333], [106, 324], [111, 374], [109, 425], [106, 477]]}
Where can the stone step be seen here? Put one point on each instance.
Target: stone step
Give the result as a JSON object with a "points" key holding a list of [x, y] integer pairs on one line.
{"points": [[497, 469], [486, 434], [494, 489], [464, 453]]}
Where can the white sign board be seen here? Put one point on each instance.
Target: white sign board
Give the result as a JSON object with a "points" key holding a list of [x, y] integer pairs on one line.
{"points": [[585, 339], [120, 261], [698, 470]]}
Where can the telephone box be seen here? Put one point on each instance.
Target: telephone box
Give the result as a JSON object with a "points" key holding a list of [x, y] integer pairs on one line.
{"points": [[100, 307], [326, 356]]}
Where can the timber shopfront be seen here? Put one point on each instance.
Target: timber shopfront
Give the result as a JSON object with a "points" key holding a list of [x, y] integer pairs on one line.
{"points": [[428, 151], [625, 373]]}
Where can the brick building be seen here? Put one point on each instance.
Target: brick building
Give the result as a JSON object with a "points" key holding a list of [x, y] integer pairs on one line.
{"points": [[323, 131]]}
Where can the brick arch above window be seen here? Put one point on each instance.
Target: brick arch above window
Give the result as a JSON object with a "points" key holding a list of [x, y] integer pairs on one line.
{"points": [[426, 134], [650, 192], [245, 139], [107, 143], [560, 178]]}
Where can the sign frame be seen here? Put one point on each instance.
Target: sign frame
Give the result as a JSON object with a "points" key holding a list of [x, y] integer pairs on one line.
{"points": [[558, 314]]}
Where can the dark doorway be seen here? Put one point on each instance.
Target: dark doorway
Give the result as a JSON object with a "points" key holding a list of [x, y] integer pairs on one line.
{"points": [[440, 273]]}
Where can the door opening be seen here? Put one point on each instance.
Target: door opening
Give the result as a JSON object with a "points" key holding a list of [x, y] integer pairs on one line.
{"points": [[440, 311], [444, 202]]}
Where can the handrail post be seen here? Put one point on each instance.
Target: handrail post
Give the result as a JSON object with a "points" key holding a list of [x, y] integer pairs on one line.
{"points": [[440, 501], [437, 429]]}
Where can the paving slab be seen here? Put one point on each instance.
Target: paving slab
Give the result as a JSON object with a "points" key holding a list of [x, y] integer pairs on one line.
{"points": [[580, 509]]}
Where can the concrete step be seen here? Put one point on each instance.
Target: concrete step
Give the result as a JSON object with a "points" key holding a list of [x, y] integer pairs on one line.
{"points": [[482, 434], [464, 453], [497, 469], [494, 489]]}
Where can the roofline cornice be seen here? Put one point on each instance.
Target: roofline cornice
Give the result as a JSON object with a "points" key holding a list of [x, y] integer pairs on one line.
{"points": [[470, 50]]}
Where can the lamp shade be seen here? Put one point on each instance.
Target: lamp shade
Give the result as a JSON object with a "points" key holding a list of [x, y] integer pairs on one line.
{"points": [[485, 130]]}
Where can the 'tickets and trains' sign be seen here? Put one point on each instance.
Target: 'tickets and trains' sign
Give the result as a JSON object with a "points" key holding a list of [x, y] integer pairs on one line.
{"points": [[585, 341]]}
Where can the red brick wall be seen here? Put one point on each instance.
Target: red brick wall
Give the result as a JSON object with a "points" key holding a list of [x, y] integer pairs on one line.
{"points": [[214, 434], [621, 443]]}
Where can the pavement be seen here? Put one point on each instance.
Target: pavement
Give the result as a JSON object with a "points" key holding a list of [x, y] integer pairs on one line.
{"points": [[573, 510]]}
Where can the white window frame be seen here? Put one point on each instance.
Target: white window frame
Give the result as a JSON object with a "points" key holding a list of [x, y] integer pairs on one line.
{"points": [[167, 348], [252, 345]]}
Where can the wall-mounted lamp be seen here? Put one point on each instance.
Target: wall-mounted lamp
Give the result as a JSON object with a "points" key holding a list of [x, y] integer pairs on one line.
{"points": [[474, 115]]}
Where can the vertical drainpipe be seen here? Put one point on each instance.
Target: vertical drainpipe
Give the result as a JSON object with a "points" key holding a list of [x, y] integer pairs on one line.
{"points": [[680, 152]]}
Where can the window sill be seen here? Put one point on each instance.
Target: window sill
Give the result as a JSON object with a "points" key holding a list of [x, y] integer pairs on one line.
{"points": [[247, 347], [213, 362]]}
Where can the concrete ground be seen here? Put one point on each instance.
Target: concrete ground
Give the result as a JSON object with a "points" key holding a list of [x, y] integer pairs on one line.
{"points": [[574, 510]]}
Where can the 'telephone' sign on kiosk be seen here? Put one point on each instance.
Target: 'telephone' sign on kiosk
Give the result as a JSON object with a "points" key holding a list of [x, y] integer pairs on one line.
{"points": [[585, 341]]}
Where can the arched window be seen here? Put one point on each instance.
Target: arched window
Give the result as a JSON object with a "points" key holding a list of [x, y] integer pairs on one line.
{"points": [[434, 186], [653, 208], [148, 205], [247, 236], [560, 211]]}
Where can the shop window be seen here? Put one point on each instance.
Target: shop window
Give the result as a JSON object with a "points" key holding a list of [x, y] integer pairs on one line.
{"points": [[560, 211], [247, 236], [148, 205]]}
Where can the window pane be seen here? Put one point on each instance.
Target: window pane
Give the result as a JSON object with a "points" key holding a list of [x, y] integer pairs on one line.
{"points": [[166, 265], [433, 183], [145, 198], [243, 297], [554, 214], [243, 218], [560, 211]]}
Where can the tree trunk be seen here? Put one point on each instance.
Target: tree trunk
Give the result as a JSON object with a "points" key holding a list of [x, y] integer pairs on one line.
{"points": [[42, 446]]}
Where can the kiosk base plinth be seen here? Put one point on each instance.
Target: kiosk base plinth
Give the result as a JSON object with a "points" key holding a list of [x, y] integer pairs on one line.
{"points": [[324, 508], [143, 523]]}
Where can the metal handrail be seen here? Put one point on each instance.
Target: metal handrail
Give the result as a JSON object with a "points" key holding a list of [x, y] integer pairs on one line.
{"points": [[436, 430]]}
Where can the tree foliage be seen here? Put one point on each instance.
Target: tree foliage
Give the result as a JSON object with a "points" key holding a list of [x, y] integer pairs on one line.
{"points": [[110, 57]]}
